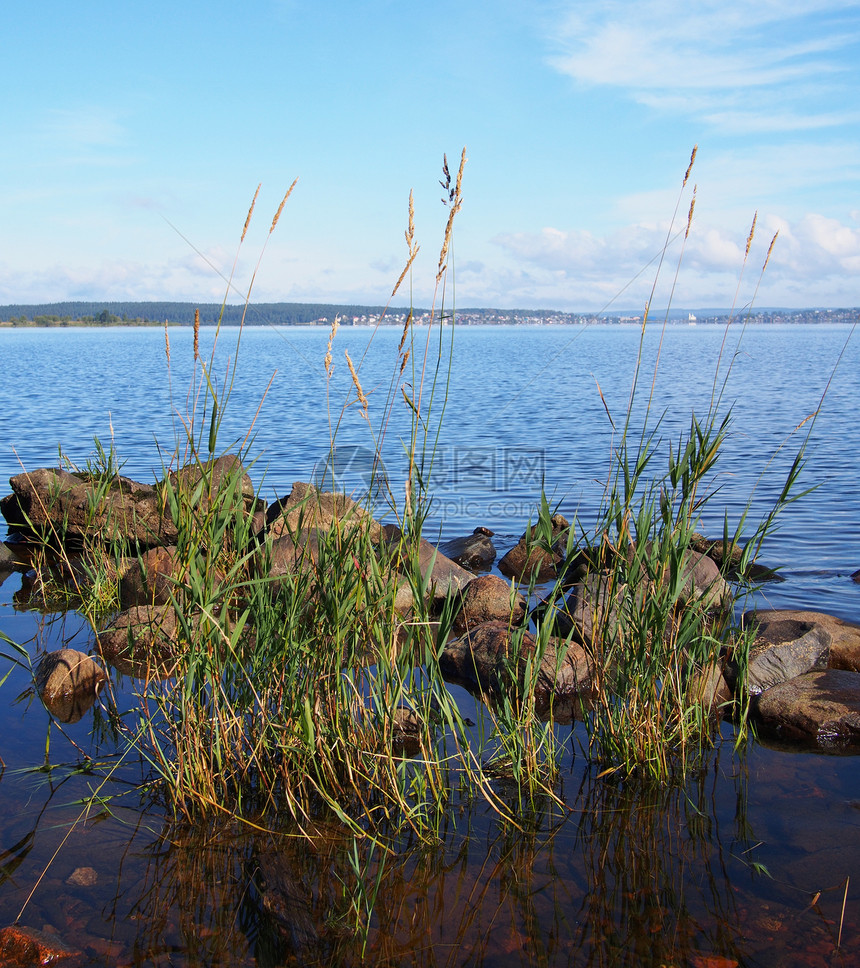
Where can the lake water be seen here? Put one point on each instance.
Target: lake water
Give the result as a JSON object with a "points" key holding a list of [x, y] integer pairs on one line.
{"points": [[722, 872]]}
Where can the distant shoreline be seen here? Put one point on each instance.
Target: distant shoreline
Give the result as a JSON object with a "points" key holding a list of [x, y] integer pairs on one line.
{"points": [[111, 314]]}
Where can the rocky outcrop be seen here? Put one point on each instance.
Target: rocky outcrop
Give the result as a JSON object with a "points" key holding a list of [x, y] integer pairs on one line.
{"points": [[820, 707], [68, 683]]}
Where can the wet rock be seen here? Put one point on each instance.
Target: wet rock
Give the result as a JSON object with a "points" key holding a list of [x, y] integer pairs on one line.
{"points": [[490, 659], [53, 502], [8, 560], [709, 688], [68, 682], [441, 575], [488, 598], [21, 947], [822, 707], [727, 556], [307, 508], [703, 582], [783, 648], [844, 635], [149, 580], [529, 559], [475, 551], [141, 641], [856, 576]]}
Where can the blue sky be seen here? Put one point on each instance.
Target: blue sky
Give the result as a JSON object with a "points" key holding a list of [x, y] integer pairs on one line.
{"points": [[136, 133]]}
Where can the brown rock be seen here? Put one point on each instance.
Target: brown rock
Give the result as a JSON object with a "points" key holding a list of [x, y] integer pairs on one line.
{"points": [[68, 682], [53, 502], [488, 598], [823, 707], [528, 559], [305, 508], [150, 579], [489, 659], [82, 877], [844, 635], [141, 641], [22, 947], [475, 551]]}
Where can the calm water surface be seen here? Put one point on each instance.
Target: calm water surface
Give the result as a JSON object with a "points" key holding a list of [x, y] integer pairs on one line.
{"points": [[724, 872]]}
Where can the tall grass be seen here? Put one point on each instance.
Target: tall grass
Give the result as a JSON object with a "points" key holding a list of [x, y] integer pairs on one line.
{"points": [[307, 692]]}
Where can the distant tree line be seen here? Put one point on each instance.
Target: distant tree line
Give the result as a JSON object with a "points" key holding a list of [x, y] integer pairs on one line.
{"points": [[179, 313]]}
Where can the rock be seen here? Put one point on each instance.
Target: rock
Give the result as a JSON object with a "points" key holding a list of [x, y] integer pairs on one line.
{"points": [[441, 575], [68, 682], [487, 659], [307, 508], [488, 598], [708, 687], [856, 576], [844, 635], [21, 947], [475, 552], [150, 579], [295, 553], [528, 559], [141, 641], [783, 648], [727, 557], [591, 605], [703, 582], [55, 503], [82, 877], [822, 707], [8, 560]]}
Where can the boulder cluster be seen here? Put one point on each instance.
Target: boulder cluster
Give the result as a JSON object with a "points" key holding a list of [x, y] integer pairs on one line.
{"points": [[801, 673]]}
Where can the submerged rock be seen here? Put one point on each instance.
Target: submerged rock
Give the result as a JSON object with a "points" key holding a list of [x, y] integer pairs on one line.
{"points": [[822, 707], [21, 947], [68, 683], [475, 551]]}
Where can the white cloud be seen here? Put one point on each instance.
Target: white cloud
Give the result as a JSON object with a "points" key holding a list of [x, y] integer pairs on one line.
{"points": [[761, 57]]}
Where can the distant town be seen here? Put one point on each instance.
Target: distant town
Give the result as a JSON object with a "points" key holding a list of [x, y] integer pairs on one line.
{"points": [[318, 314]]}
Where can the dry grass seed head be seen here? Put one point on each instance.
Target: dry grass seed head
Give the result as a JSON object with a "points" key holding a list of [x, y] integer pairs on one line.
{"points": [[405, 332], [456, 201], [690, 166], [362, 399], [769, 250], [690, 214], [250, 213], [327, 362], [750, 236], [196, 334], [167, 342], [281, 206]]}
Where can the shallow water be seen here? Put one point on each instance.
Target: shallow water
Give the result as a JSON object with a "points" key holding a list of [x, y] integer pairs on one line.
{"points": [[725, 871]]}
